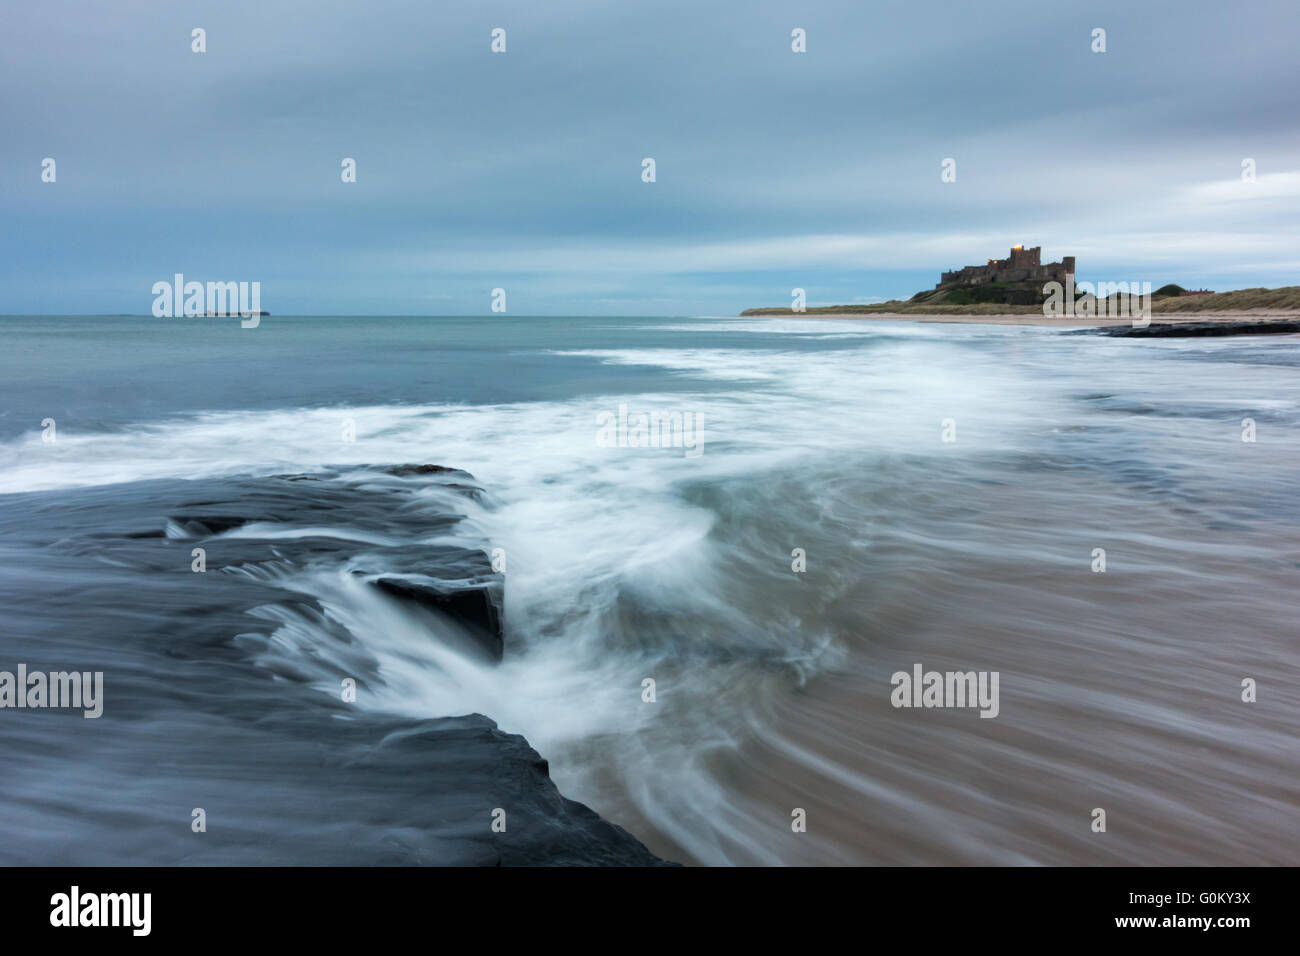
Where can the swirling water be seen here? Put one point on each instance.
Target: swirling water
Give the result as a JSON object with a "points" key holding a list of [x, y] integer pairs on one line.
{"points": [[1120, 690]]}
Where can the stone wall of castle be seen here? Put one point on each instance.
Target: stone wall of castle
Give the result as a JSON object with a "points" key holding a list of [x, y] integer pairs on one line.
{"points": [[1022, 265]]}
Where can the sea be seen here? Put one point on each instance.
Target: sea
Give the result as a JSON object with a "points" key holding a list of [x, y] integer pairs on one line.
{"points": [[721, 540]]}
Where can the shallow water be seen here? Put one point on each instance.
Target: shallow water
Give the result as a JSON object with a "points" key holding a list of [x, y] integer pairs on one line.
{"points": [[1119, 690]]}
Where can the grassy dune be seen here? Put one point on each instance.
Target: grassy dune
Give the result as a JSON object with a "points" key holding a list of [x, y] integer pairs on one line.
{"points": [[1243, 300]]}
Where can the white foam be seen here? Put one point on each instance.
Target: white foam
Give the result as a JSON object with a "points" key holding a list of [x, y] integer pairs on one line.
{"points": [[592, 534]]}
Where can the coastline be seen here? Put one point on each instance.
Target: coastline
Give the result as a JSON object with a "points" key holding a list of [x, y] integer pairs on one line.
{"points": [[1037, 318], [1251, 306]]}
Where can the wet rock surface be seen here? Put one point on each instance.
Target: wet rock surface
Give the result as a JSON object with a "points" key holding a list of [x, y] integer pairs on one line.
{"points": [[1158, 330], [222, 689]]}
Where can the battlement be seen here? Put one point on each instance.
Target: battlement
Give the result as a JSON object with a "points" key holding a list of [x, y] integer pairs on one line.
{"points": [[1021, 265]]}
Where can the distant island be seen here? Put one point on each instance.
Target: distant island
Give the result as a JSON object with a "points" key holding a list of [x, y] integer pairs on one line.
{"points": [[1011, 290]]}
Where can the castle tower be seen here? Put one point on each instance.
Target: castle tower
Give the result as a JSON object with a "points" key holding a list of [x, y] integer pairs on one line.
{"points": [[1022, 258]]}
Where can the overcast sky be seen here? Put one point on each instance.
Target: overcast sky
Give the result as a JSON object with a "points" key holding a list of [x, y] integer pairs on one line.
{"points": [[522, 170]]}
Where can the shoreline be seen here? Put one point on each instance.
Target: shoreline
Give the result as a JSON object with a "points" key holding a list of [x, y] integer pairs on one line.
{"points": [[1253, 316]]}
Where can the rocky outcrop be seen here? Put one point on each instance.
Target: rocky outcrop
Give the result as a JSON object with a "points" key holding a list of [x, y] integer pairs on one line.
{"points": [[332, 514], [222, 688], [1159, 330], [472, 602]]}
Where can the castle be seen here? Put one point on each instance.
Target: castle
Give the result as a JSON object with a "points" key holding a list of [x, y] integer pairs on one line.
{"points": [[1023, 265]]}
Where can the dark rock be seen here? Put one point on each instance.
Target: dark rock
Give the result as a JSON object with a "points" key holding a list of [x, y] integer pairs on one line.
{"points": [[403, 471], [215, 524], [412, 471], [205, 709], [455, 582], [1157, 330], [476, 607]]}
